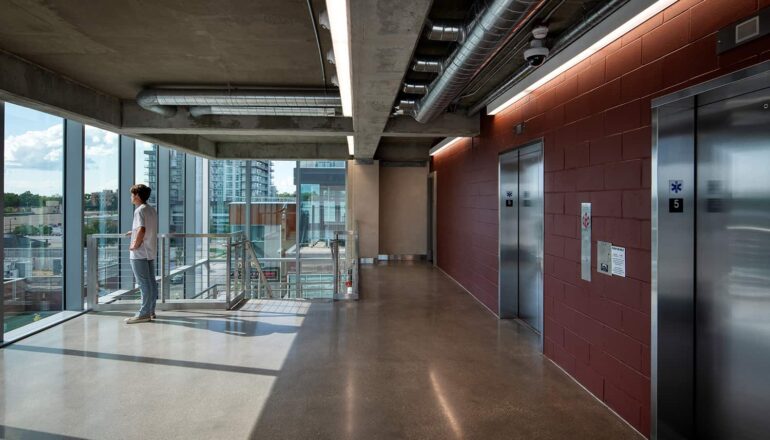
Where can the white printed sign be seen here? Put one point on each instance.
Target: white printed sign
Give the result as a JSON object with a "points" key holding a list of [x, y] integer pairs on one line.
{"points": [[619, 261]]}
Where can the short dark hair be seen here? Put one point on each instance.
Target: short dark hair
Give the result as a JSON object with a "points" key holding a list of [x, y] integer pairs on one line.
{"points": [[141, 190]]}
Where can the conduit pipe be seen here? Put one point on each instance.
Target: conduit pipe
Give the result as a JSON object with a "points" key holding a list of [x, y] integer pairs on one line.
{"points": [[165, 101], [486, 33]]}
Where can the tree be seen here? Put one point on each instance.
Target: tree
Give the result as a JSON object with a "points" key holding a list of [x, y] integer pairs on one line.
{"points": [[24, 230]]}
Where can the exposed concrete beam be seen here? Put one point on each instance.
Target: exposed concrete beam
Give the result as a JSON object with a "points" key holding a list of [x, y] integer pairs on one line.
{"points": [[189, 143], [383, 36], [252, 150], [138, 120], [446, 125], [36, 87]]}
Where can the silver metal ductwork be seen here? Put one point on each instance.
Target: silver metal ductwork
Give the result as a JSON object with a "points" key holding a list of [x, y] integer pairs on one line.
{"points": [[202, 110], [165, 101], [432, 66], [445, 32], [484, 36], [565, 39], [416, 89]]}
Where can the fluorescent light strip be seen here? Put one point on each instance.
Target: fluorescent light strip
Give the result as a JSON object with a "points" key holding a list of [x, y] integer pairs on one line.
{"points": [[340, 30], [448, 142], [351, 145], [640, 18]]}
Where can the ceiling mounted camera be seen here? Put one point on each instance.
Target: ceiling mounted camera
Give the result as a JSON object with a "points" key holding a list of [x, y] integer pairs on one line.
{"points": [[537, 52]]}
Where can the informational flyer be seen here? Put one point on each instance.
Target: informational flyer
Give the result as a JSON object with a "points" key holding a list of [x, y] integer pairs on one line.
{"points": [[618, 261]]}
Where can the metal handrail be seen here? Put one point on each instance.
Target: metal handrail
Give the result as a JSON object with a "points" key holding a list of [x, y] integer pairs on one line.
{"points": [[262, 278]]}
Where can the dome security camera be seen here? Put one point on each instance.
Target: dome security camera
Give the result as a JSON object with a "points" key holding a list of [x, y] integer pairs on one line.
{"points": [[537, 52]]}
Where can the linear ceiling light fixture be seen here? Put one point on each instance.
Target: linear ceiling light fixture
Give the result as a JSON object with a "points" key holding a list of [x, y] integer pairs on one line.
{"points": [[623, 29], [446, 143], [351, 145], [340, 31]]}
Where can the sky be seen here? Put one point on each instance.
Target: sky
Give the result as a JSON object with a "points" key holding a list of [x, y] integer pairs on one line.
{"points": [[34, 156], [283, 176]]}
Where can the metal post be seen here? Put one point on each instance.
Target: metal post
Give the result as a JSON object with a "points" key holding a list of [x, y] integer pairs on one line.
{"points": [[163, 270], [92, 285], [227, 270], [73, 215], [298, 269], [335, 248], [190, 223], [247, 218], [127, 171], [2, 219]]}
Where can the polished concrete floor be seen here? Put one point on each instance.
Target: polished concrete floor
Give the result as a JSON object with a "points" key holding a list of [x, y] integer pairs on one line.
{"points": [[417, 358]]}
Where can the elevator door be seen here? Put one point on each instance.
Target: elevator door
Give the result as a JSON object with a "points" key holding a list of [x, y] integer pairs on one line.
{"points": [[521, 235], [732, 371]]}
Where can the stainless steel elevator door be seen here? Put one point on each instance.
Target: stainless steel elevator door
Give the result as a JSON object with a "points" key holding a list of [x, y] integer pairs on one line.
{"points": [[521, 235], [531, 240], [732, 371]]}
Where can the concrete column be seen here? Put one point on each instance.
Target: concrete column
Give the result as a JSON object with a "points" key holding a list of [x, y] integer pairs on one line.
{"points": [[404, 210], [73, 215], [364, 207]]}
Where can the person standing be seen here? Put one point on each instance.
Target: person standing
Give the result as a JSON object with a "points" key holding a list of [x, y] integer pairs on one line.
{"points": [[143, 248]]}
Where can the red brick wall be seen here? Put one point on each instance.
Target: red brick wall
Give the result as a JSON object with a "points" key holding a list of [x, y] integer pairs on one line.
{"points": [[595, 122]]}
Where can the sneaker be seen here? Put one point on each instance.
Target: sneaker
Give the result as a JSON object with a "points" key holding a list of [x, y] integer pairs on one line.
{"points": [[152, 315], [137, 319]]}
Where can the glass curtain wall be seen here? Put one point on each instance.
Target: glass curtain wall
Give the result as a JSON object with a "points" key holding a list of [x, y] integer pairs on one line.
{"points": [[101, 203], [322, 214], [33, 216], [276, 214]]}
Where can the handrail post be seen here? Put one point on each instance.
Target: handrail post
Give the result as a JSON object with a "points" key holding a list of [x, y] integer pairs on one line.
{"points": [[246, 272], [163, 270], [92, 284], [227, 270], [335, 250]]}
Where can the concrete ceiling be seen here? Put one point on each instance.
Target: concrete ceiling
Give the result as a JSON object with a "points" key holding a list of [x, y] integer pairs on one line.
{"points": [[88, 60], [119, 46]]}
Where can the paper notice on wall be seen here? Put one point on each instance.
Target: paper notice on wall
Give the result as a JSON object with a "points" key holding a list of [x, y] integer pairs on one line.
{"points": [[618, 261]]}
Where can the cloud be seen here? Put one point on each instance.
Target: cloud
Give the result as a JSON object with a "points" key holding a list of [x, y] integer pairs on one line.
{"points": [[37, 149], [100, 143]]}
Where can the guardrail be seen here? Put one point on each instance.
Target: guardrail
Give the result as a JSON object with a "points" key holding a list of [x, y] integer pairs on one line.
{"points": [[219, 270]]}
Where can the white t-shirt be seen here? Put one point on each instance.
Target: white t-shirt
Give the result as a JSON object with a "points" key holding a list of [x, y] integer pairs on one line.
{"points": [[145, 215]]}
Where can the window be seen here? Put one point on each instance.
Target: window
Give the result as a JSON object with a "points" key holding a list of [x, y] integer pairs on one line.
{"points": [[33, 217], [100, 202], [146, 168]]}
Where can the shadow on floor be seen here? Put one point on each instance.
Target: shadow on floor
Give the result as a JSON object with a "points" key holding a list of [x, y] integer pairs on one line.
{"points": [[11, 433], [230, 324], [142, 359]]}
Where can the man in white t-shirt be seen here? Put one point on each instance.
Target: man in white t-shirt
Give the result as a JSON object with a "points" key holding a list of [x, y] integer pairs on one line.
{"points": [[143, 248]]}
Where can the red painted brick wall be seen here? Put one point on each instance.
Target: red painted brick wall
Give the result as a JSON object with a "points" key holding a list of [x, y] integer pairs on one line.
{"points": [[595, 121]]}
